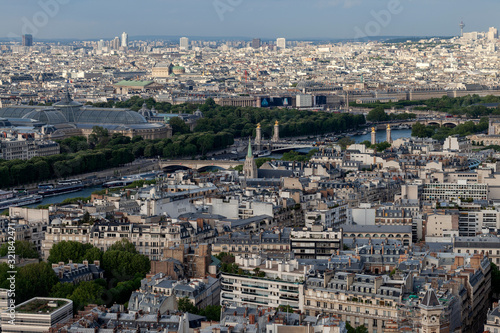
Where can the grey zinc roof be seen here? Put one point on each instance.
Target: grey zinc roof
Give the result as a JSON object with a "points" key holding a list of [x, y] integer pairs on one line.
{"points": [[430, 299]]}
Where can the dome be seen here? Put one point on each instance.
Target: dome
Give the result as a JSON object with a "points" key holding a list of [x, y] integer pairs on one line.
{"points": [[178, 70], [56, 222], [304, 84], [19, 111], [198, 113], [50, 117], [67, 102], [145, 112], [109, 116]]}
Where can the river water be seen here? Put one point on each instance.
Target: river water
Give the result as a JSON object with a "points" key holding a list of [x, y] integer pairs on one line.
{"points": [[86, 192], [381, 136]]}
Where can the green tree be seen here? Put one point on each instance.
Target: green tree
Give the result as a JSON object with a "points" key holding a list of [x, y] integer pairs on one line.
{"points": [[285, 308], [178, 126], [345, 142], [71, 250], [185, 305], [367, 143], [421, 131], [23, 249], [42, 169], [86, 217], [87, 292], [206, 142], [34, 280], [121, 293], [359, 329], [123, 245], [124, 265], [62, 290], [377, 114], [382, 146], [495, 279], [211, 312]]}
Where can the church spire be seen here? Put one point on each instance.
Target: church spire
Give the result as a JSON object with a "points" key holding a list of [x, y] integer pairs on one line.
{"points": [[250, 153], [249, 167]]}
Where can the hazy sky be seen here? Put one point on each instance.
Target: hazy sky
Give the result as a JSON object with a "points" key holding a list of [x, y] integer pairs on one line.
{"points": [[248, 18]]}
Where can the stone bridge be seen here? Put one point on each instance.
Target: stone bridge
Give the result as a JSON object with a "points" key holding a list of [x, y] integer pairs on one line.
{"points": [[441, 122], [198, 164]]}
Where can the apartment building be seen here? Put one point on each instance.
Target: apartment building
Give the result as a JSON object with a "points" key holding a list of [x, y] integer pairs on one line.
{"points": [[329, 214], [268, 283], [25, 149], [402, 233], [357, 298], [493, 320], [75, 273], [149, 239], [316, 242], [200, 292], [247, 244], [488, 245], [454, 191]]}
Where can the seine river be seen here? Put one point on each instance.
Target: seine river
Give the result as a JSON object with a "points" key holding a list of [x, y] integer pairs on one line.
{"points": [[381, 136], [59, 198]]}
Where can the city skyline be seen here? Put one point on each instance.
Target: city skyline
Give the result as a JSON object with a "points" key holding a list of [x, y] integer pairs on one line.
{"points": [[326, 19]]}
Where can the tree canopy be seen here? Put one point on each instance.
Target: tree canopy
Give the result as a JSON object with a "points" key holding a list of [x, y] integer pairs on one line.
{"points": [[217, 130], [75, 251], [441, 133], [377, 114], [31, 280], [24, 249]]}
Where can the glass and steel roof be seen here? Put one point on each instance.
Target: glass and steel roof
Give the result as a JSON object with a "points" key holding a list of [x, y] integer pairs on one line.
{"points": [[51, 117]]}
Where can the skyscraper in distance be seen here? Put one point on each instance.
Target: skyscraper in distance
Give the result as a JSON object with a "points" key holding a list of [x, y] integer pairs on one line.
{"points": [[281, 43], [184, 43], [492, 34], [256, 43], [124, 39], [116, 43], [101, 44], [27, 40]]}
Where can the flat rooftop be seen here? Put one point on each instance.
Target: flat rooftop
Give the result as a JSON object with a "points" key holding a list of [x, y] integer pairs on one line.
{"points": [[41, 305]]}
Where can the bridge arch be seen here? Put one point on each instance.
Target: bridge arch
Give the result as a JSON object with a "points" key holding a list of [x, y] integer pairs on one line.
{"points": [[212, 168], [434, 123], [174, 168], [449, 125]]}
